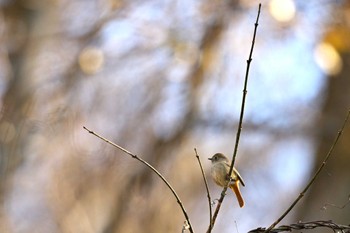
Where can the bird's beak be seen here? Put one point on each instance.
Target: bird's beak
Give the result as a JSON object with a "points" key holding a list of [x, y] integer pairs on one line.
{"points": [[210, 158]]}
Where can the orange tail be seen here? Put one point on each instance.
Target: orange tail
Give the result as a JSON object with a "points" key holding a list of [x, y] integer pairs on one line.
{"points": [[235, 189]]}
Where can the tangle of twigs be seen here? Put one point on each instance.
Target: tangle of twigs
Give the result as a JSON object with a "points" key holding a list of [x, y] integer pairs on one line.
{"points": [[307, 226]]}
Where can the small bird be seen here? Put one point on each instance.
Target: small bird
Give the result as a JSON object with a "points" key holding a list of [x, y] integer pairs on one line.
{"points": [[219, 171]]}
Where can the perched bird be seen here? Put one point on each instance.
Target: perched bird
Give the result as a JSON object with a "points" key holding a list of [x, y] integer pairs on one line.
{"points": [[219, 171]]}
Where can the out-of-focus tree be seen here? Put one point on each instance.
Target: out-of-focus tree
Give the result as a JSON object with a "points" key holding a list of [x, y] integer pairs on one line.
{"points": [[328, 198], [159, 78]]}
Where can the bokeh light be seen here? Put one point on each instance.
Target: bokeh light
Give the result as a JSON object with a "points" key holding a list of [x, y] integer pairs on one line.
{"points": [[91, 60], [282, 10], [327, 58]]}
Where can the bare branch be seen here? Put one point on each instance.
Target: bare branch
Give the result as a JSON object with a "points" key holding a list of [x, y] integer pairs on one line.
{"points": [[313, 178], [207, 188], [153, 169], [223, 193]]}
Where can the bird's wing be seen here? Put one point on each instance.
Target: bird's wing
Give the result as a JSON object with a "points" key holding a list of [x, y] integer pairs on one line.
{"points": [[239, 176], [235, 171]]}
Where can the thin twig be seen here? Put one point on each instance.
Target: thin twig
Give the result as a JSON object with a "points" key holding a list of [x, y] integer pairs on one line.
{"points": [[223, 193], [153, 169], [313, 178], [336, 206], [207, 188], [306, 226]]}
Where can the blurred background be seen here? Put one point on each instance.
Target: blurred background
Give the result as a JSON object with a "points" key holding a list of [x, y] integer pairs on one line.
{"points": [[160, 78]]}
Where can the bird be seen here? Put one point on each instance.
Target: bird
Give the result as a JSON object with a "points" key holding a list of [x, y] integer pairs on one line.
{"points": [[219, 171]]}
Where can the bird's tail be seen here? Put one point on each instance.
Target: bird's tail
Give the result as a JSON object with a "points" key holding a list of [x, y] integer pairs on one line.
{"points": [[236, 190]]}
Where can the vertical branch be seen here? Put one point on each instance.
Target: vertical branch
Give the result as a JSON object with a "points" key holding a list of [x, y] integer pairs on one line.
{"points": [[245, 91], [313, 178], [153, 169], [240, 119], [207, 188]]}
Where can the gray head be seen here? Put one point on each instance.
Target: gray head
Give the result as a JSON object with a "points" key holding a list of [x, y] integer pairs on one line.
{"points": [[219, 157]]}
